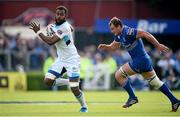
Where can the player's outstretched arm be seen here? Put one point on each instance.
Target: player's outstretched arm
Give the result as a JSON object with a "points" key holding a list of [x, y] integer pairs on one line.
{"points": [[150, 38], [49, 40], [111, 47]]}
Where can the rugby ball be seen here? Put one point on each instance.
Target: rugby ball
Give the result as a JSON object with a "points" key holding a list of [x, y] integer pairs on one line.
{"points": [[49, 30]]}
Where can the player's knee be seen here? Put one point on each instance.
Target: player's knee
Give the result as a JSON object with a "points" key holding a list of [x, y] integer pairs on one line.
{"points": [[75, 88], [155, 82], [49, 82], [116, 75], [119, 75]]}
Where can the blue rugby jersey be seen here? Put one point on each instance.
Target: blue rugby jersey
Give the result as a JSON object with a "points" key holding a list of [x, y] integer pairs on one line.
{"points": [[128, 39]]}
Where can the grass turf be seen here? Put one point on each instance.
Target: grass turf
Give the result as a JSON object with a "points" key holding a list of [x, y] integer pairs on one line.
{"points": [[100, 103]]}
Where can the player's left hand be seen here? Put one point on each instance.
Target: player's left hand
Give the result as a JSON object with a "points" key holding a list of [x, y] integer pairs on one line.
{"points": [[162, 48], [34, 26]]}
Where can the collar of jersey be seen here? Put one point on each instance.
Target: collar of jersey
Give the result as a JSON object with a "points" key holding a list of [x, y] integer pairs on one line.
{"points": [[60, 23]]}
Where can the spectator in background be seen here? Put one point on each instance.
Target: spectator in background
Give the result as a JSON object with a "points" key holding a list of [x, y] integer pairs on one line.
{"points": [[3, 42], [110, 63], [117, 55], [172, 74], [19, 53], [37, 55], [177, 61], [49, 60], [101, 78], [172, 78], [3, 46], [166, 63], [12, 40], [86, 68], [98, 63]]}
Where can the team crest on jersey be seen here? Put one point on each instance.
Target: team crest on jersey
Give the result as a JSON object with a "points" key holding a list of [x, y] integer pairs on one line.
{"points": [[74, 69], [131, 31], [59, 32]]}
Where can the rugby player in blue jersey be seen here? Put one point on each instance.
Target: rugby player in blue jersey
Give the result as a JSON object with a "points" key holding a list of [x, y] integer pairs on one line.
{"points": [[130, 38]]}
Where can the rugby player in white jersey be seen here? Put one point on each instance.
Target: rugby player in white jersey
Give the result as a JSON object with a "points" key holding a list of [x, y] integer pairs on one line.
{"points": [[60, 35]]}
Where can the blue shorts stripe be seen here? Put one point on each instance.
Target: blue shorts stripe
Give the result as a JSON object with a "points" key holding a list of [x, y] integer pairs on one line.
{"points": [[71, 78], [54, 73], [75, 75]]}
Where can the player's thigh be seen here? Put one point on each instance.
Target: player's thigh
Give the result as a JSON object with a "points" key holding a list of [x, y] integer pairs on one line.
{"points": [[125, 70], [73, 72], [55, 71], [148, 75]]}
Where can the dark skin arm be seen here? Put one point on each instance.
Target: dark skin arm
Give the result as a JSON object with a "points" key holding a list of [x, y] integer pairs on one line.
{"points": [[150, 38], [49, 40]]}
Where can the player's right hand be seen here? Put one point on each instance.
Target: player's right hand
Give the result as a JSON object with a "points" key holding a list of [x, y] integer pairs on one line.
{"points": [[102, 47], [162, 48]]}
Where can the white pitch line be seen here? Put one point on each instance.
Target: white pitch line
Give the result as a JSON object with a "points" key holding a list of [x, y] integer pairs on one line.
{"points": [[64, 102]]}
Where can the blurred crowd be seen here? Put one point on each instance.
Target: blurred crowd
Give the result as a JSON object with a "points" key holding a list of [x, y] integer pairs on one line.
{"points": [[166, 65], [27, 53]]}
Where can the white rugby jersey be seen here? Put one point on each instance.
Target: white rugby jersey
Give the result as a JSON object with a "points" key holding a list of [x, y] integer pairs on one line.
{"points": [[66, 49]]}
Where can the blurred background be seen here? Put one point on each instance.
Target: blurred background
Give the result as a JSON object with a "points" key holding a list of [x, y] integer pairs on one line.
{"points": [[24, 58]]}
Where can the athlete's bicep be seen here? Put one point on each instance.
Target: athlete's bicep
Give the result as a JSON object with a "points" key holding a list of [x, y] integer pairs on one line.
{"points": [[54, 39], [141, 34]]}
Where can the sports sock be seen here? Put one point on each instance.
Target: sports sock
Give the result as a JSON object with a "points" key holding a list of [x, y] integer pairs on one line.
{"points": [[128, 88], [164, 89], [81, 100]]}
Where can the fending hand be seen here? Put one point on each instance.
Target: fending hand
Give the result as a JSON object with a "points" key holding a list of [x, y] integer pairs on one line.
{"points": [[162, 48], [34, 26], [102, 47]]}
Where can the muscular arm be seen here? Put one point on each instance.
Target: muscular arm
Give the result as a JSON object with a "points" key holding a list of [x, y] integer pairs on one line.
{"points": [[111, 47], [49, 40], [150, 38]]}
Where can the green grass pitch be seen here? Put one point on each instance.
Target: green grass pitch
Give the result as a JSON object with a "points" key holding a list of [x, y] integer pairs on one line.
{"points": [[100, 103]]}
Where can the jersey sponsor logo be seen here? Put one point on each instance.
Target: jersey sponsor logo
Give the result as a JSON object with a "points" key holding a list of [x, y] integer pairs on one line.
{"points": [[59, 32], [131, 31], [75, 69]]}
